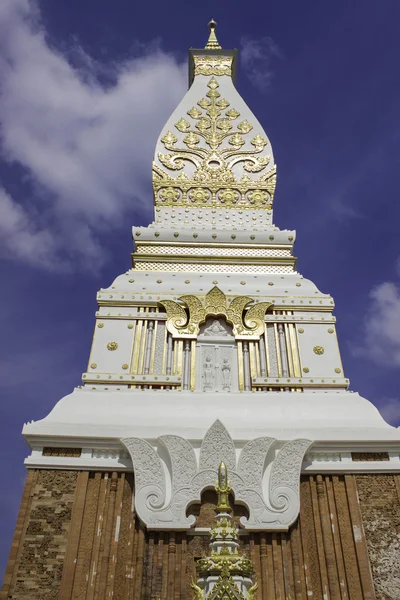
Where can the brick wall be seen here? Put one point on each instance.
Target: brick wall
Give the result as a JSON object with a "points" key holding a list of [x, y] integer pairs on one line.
{"points": [[379, 497], [77, 538]]}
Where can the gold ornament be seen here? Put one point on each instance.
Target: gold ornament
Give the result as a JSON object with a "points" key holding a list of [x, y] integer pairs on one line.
{"points": [[306, 370], [125, 366], [112, 345], [318, 350], [337, 370], [93, 366], [183, 320], [215, 165], [100, 325], [169, 194]]}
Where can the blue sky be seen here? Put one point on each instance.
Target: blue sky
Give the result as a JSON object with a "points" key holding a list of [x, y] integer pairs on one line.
{"points": [[85, 89]]}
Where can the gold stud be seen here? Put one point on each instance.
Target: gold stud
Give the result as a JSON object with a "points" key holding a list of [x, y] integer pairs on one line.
{"points": [[93, 366], [100, 325], [318, 350], [125, 366], [306, 370], [112, 345]]}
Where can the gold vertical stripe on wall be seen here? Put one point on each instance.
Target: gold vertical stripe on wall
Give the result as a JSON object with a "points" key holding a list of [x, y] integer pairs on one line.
{"points": [[253, 370], [296, 334], [179, 358], [143, 346], [257, 355], [153, 348], [295, 350], [240, 365], [193, 366], [278, 350], [136, 350], [164, 357], [267, 350], [134, 323], [288, 350]]}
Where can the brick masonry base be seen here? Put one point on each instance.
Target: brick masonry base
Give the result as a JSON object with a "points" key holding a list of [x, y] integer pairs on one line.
{"points": [[77, 538]]}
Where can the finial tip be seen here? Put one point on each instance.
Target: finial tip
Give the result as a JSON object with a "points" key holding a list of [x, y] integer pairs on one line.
{"points": [[212, 43]]}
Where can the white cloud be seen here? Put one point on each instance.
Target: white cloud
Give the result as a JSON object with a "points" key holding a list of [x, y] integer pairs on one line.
{"points": [[19, 238], [86, 146], [257, 57], [381, 330], [390, 410]]}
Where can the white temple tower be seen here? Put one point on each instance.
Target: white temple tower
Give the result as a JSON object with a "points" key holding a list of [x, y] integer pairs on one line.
{"points": [[211, 349]]}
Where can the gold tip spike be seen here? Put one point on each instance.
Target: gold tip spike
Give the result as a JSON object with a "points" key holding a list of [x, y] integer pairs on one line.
{"points": [[223, 488], [212, 43]]}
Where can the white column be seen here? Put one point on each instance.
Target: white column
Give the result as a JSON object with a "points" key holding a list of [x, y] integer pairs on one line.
{"points": [[246, 367]]}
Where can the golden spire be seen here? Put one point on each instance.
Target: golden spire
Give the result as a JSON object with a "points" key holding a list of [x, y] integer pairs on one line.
{"points": [[223, 488], [212, 43]]}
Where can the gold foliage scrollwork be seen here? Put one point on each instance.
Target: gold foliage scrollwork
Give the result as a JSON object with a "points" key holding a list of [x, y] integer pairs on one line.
{"points": [[213, 65], [177, 317], [184, 318], [254, 318], [215, 163]]}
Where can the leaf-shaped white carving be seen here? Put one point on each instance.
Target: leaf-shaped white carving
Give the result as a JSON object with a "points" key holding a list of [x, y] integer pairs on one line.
{"points": [[287, 465], [149, 477], [183, 460], [216, 447], [252, 460]]}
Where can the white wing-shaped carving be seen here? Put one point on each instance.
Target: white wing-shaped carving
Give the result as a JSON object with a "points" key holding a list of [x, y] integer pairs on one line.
{"points": [[284, 482], [217, 446], [183, 460], [252, 461], [149, 478]]}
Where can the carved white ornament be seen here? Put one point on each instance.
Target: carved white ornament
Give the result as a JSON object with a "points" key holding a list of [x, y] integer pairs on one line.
{"points": [[162, 504]]}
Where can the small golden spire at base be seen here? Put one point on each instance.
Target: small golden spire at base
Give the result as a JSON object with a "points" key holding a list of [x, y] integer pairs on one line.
{"points": [[212, 43], [223, 488]]}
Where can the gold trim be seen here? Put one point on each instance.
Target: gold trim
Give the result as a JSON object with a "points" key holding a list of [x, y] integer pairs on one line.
{"points": [[211, 258], [268, 361], [253, 370], [153, 349], [295, 350], [214, 245], [164, 357], [257, 355], [288, 350], [143, 346], [115, 302], [179, 358], [132, 346], [137, 344], [193, 366], [278, 350], [240, 366]]}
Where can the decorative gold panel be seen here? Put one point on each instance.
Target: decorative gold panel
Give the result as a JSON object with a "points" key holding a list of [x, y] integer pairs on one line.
{"points": [[184, 318], [214, 181], [213, 65]]}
